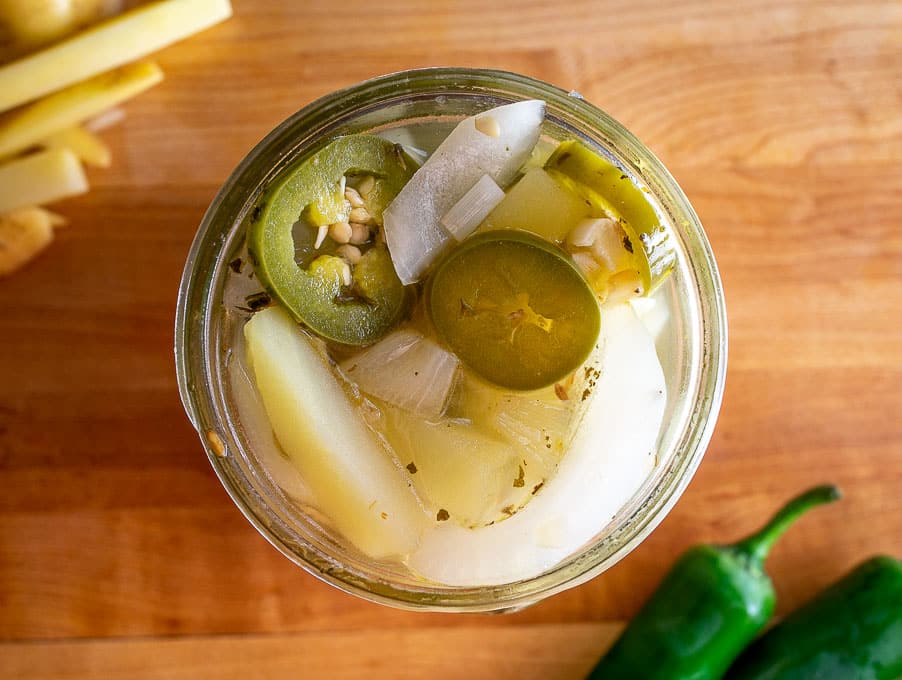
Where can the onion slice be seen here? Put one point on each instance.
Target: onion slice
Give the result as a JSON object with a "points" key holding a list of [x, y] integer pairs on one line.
{"points": [[406, 370], [412, 222], [475, 205]]}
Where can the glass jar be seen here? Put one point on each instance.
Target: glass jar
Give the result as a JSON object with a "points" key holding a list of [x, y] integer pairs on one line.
{"points": [[691, 346]]}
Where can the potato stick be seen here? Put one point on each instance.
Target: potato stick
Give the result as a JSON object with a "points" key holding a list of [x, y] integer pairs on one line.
{"points": [[71, 106], [40, 178], [23, 234], [107, 45], [89, 148], [56, 221]]}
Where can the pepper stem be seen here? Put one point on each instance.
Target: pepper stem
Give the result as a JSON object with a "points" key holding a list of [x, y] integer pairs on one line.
{"points": [[758, 545]]}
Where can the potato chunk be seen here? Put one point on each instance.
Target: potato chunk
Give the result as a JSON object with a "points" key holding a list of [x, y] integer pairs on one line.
{"points": [[41, 178], [24, 233], [352, 477]]}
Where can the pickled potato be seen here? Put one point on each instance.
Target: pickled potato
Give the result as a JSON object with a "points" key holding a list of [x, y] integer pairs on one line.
{"points": [[353, 480], [540, 205], [474, 477]]}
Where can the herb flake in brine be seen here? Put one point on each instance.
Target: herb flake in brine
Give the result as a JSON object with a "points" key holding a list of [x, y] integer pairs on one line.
{"points": [[466, 309], [412, 468], [347, 296], [521, 478], [442, 515], [399, 153], [256, 212], [236, 265], [258, 301]]}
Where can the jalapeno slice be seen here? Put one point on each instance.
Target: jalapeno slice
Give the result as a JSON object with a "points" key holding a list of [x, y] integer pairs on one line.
{"points": [[351, 310], [610, 191], [514, 308]]}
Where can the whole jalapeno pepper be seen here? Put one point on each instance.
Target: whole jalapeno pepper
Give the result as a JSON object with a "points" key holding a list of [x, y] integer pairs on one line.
{"points": [[853, 629], [711, 604]]}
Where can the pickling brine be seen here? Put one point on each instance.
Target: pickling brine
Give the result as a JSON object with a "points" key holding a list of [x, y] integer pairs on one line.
{"points": [[440, 350]]}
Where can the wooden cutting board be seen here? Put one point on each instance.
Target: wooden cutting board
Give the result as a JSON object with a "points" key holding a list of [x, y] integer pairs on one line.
{"points": [[122, 556]]}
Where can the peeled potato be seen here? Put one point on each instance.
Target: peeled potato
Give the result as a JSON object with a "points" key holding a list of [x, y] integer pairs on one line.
{"points": [[350, 474], [77, 103], [84, 144], [23, 234], [41, 178], [459, 470], [114, 42]]}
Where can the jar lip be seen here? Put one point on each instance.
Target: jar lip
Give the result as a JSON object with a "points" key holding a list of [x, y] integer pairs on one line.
{"points": [[193, 328]]}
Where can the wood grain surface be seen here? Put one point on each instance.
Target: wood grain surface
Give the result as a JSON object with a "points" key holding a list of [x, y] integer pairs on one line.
{"points": [[122, 556]]}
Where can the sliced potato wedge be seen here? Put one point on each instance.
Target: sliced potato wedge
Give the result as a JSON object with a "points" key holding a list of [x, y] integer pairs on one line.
{"points": [[84, 144], [105, 46], [75, 104], [23, 234], [41, 178], [350, 474]]}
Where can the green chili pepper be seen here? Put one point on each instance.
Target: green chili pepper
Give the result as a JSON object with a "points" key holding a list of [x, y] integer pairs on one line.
{"points": [[711, 604], [853, 629]]}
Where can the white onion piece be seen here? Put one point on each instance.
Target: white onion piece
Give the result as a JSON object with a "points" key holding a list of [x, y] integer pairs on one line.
{"points": [[535, 424], [610, 456], [587, 231], [539, 427], [608, 247], [653, 312], [604, 237], [412, 221], [587, 264], [475, 205], [407, 370]]}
